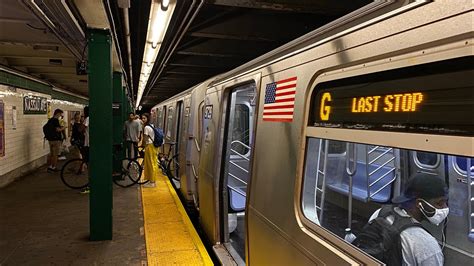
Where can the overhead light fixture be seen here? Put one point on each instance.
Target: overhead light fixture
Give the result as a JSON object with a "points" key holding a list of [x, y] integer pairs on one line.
{"points": [[158, 22]]}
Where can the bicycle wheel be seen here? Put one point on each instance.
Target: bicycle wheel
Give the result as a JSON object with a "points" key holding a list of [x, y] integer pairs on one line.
{"points": [[125, 178], [135, 172], [75, 174], [173, 168]]}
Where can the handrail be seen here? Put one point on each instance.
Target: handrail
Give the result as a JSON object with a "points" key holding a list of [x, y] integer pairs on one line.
{"points": [[373, 149], [237, 190], [380, 156], [384, 186], [243, 182], [194, 171], [381, 166], [241, 143], [197, 144], [380, 178], [240, 155], [240, 167]]}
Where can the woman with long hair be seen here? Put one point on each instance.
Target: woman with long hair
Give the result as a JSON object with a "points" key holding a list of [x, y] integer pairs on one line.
{"points": [[151, 152]]}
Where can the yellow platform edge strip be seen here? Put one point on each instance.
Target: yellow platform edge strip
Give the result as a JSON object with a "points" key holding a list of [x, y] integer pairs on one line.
{"points": [[187, 221]]}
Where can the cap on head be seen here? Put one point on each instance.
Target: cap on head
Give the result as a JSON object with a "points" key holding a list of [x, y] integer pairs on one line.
{"points": [[423, 186]]}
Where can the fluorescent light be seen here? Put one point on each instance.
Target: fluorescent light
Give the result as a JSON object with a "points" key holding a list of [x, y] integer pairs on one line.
{"points": [[160, 16]]}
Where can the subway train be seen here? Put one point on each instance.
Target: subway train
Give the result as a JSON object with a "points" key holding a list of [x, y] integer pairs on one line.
{"points": [[284, 156]]}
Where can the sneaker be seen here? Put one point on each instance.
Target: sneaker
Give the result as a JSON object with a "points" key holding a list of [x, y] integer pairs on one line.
{"points": [[149, 185], [85, 191], [52, 170], [62, 158]]}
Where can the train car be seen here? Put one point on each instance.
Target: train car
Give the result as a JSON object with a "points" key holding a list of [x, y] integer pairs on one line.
{"points": [[292, 152]]}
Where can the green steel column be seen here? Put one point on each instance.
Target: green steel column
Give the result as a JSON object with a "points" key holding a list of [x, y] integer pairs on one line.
{"points": [[100, 132], [117, 122]]}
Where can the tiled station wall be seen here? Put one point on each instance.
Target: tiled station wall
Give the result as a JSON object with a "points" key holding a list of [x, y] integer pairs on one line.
{"points": [[25, 149]]}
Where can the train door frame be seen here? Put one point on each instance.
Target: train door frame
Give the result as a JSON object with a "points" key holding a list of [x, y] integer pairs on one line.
{"points": [[222, 194]]}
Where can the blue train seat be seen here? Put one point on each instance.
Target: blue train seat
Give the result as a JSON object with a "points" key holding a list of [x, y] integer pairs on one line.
{"points": [[236, 201], [359, 184]]}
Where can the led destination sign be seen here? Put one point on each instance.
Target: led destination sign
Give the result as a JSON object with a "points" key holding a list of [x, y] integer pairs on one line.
{"points": [[440, 103], [407, 102]]}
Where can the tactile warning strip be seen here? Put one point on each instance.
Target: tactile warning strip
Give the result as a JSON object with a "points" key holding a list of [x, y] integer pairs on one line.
{"points": [[169, 234]]}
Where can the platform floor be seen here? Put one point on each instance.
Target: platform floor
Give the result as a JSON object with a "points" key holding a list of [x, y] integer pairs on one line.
{"points": [[42, 222], [170, 236]]}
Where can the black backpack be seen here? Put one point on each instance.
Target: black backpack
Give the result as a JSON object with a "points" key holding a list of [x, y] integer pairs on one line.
{"points": [[381, 240], [49, 130]]}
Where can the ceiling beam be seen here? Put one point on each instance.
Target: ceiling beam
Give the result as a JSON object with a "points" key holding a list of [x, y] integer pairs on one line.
{"points": [[301, 6], [236, 37]]}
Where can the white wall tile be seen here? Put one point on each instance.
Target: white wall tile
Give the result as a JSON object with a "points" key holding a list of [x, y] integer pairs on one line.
{"points": [[25, 143]]}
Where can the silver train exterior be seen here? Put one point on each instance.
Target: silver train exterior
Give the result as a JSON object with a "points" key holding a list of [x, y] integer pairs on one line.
{"points": [[228, 152]]}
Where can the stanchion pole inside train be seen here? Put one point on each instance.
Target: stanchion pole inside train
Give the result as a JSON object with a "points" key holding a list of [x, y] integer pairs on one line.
{"points": [[100, 132]]}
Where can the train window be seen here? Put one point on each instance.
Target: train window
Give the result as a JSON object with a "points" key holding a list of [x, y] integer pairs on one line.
{"points": [[241, 128], [427, 160], [340, 193]]}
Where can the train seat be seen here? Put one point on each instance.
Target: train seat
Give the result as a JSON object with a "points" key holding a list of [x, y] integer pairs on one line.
{"points": [[359, 184], [236, 201]]}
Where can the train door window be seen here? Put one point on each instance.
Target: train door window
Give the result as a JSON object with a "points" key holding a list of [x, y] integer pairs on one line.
{"points": [[427, 160], [200, 122], [169, 123], [160, 117], [237, 172], [241, 128]]}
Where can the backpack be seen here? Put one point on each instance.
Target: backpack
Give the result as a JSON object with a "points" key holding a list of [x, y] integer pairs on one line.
{"points": [[158, 140], [49, 130], [381, 240]]}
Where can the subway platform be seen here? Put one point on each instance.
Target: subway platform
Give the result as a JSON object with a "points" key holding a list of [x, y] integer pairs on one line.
{"points": [[45, 223]]}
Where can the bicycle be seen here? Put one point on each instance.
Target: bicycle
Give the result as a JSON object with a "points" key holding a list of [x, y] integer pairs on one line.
{"points": [[75, 173], [169, 164]]}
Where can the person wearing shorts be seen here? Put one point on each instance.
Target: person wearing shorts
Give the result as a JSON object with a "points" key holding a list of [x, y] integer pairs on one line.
{"points": [[54, 140]]}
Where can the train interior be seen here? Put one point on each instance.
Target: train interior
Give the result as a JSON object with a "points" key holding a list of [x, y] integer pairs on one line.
{"points": [[237, 172], [346, 182]]}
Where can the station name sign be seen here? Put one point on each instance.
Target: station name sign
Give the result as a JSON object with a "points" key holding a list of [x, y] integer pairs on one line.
{"points": [[438, 103], [35, 105]]}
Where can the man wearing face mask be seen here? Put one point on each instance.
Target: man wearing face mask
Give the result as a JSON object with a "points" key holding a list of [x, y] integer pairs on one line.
{"points": [[424, 198]]}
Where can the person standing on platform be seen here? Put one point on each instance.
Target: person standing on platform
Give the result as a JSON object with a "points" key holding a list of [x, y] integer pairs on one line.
{"points": [[133, 131], [85, 149], [77, 137], [151, 152], [53, 133]]}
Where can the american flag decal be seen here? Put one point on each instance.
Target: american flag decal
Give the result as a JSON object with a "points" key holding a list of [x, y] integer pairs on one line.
{"points": [[280, 100]]}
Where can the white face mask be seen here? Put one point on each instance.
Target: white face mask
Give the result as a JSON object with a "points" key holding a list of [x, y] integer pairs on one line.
{"points": [[439, 215]]}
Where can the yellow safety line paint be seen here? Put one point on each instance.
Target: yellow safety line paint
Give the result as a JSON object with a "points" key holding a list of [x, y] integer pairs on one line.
{"points": [[169, 234]]}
